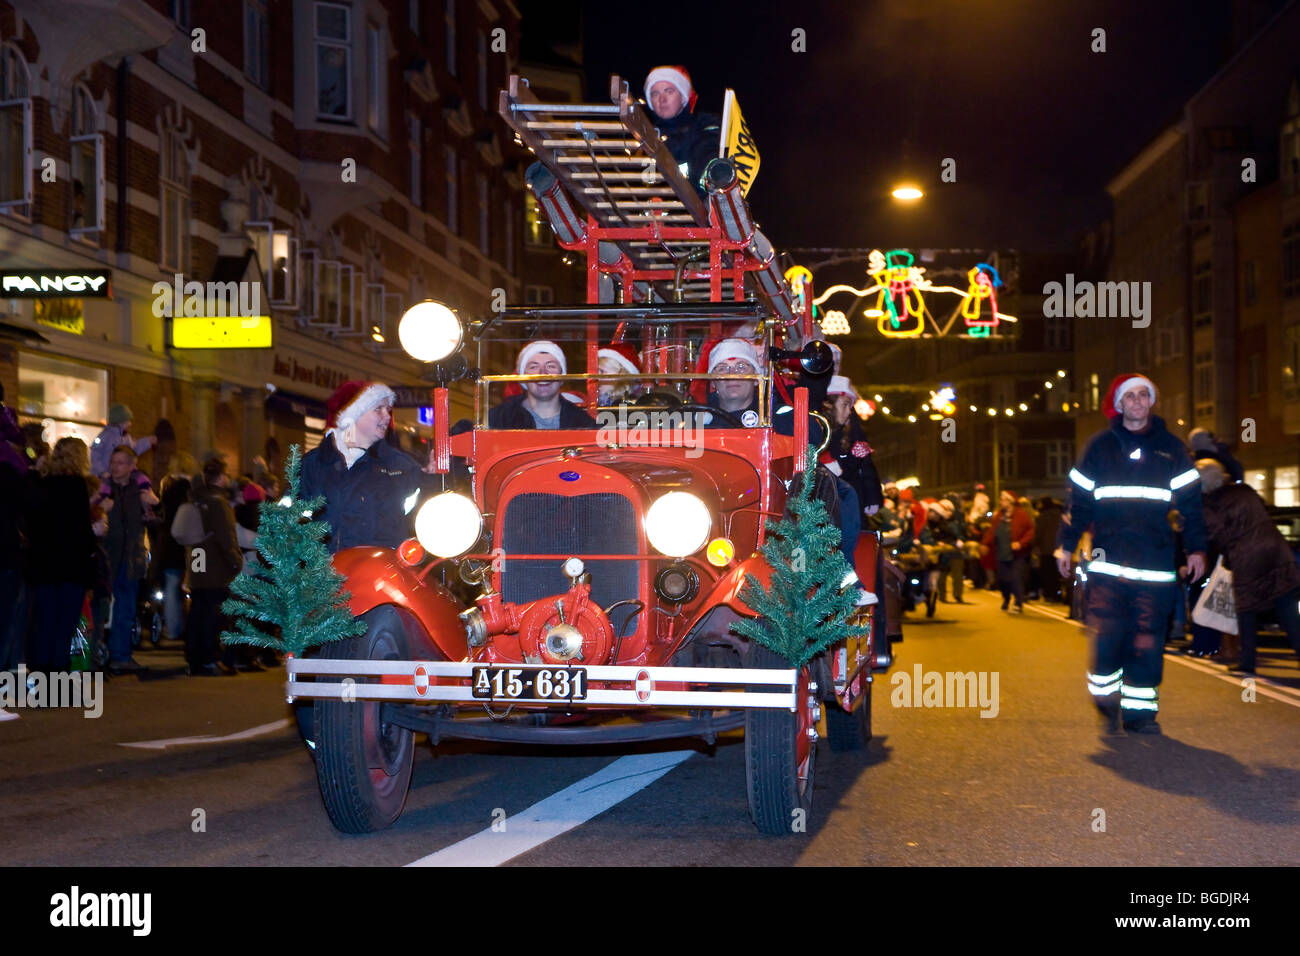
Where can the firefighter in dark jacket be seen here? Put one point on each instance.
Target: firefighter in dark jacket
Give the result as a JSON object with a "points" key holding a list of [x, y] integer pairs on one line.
{"points": [[692, 137], [1122, 489], [371, 489]]}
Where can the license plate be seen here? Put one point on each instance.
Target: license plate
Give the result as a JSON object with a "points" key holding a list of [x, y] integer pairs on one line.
{"points": [[490, 682]]}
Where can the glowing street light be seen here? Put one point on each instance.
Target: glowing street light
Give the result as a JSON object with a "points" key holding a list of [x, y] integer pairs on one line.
{"points": [[907, 193]]}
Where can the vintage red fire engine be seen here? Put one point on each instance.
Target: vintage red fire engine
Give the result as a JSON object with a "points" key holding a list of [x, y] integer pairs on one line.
{"points": [[599, 569]]}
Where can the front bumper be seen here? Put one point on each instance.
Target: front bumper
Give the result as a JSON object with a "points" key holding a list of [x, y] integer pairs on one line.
{"points": [[441, 682]]}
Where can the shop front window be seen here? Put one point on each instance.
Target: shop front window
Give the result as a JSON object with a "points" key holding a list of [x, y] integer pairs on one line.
{"points": [[67, 398], [1286, 486]]}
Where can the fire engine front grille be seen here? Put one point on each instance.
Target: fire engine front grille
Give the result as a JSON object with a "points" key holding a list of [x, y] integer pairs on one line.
{"points": [[537, 523]]}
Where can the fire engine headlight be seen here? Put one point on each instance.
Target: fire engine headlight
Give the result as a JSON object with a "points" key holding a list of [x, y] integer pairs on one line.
{"points": [[678, 524], [429, 331], [448, 524]]}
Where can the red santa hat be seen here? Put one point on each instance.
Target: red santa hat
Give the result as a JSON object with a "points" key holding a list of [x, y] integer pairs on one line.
{"points": [[351, 400], [544, 347], [623, 355], [678, 77], [1122, 385]]}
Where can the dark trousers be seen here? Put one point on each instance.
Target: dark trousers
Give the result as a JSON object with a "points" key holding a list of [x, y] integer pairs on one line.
{"points": [[1011, 580], [55, 611], [126, 598], [956, 570], [1049, 578], [850, 518], [13, 619], [1288, 615], [1127, 623], [204, 627]]}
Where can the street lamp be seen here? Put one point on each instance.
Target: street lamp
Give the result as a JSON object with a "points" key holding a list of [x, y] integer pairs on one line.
{"points": [[906, 192]]}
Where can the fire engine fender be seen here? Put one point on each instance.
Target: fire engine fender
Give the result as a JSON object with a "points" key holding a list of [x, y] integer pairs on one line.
{"points": [[375, 577]]}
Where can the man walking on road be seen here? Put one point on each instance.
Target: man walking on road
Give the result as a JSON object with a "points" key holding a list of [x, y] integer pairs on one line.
{"points": [[1129, 478]]}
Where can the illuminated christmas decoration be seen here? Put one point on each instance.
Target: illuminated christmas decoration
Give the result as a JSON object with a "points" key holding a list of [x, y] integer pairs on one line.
{"points": [[899, 299], [865, 408], [799, 279], [984, 281], [835, 323]]}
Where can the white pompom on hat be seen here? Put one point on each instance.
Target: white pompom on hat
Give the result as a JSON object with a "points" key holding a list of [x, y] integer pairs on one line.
{"points": [[730, 350], [542, 346]]}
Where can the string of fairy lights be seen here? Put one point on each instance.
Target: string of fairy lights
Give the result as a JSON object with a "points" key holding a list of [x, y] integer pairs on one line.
{"points": [[943, 403]]}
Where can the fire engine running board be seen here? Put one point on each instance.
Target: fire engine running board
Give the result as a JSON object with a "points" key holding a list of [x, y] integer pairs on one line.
{"points": [[422, 682]]}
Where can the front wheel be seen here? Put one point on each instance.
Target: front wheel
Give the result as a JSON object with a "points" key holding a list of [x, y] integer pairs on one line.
{"points": [[848, 732], [363, 763], [780, 754]]}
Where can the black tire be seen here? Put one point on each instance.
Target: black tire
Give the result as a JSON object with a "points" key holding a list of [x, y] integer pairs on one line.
{"points": [[780, 790], [304, 714], [847, 732], [362, 764]]}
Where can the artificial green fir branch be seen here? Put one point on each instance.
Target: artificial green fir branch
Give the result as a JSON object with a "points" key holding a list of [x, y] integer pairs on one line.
{"points": [[807, 605], [295, 588]]}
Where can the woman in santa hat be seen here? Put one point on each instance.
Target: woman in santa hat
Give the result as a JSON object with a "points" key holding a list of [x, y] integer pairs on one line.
{"points": [[371, 488]]}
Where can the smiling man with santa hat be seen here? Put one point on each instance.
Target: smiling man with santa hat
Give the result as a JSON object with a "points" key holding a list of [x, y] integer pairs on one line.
{"points": [[541, 405], [692, 138], [1128, 479], [371, 488]]}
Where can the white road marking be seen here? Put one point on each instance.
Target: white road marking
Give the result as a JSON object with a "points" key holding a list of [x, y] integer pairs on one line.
{"points": [[208, 739], [558, 813], [1264, 686]]}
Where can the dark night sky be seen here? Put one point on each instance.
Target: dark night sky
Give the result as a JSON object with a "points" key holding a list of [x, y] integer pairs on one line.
{"points": [[1008, 88]]}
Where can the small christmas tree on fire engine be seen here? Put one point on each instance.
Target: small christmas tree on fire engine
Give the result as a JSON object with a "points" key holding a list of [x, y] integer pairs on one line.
{"points": [[295, 587], [807, 607]]}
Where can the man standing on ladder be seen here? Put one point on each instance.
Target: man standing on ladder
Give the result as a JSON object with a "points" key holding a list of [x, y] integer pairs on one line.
{"points": [[1128, 479]]}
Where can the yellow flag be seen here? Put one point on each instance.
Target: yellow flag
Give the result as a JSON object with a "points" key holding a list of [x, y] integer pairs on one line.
{"points": [[738, 144]]}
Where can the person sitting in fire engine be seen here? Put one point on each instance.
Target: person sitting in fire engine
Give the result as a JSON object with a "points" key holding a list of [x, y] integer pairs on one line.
{"points": [[692, 137], [617, 359], [540, 405], [739, 396]]}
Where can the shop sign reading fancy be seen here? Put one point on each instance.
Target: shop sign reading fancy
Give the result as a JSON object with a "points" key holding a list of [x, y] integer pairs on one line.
{"points": [[45, 284]]}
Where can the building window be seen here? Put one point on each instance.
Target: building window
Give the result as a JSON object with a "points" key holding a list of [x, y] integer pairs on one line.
{"points": [[449, 31], [1094, 393], [174, 179], [1060, 458], [1007, 460], [15, 134], [453, 188], [482, 70], [510, 237], [1255, 375], [376, 87], [1291, 261], [1203, 384], [1056, 334], [257, 48], [484, 217], [179, 11], [1250, 282], [1286, 486], [1202, 294], [87, 165], [538, 295], [1259, 481], [537, 230], [415, 135], [1291, 362], [68, 398], [333, 62]]}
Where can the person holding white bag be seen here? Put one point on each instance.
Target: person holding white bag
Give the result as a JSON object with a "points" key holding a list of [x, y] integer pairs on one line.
{"points": [[1264, 573]]}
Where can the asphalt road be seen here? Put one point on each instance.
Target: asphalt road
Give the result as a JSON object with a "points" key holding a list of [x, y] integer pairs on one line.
{"points": [[1033, 784]]}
